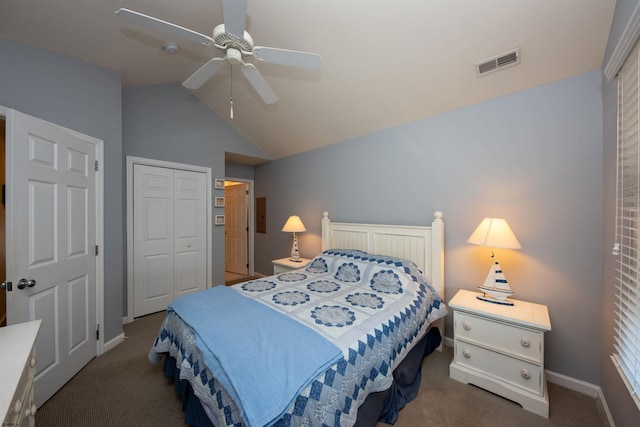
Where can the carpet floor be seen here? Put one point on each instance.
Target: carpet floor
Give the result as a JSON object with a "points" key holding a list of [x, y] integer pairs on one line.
{"points": [[121, 388]]}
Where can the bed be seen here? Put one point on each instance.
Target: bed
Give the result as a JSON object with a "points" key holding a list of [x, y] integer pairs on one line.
{"points": [[338, 343]]}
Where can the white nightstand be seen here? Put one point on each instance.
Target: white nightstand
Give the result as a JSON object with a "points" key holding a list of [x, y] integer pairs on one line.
{"points": [[283, 265], [501, 348]]}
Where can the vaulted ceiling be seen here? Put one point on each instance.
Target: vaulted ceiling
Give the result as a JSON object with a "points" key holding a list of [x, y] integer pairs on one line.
{"points": [[384, 62]]}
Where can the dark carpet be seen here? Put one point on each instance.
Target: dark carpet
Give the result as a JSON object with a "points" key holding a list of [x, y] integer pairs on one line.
{"points": [[121, 388]]}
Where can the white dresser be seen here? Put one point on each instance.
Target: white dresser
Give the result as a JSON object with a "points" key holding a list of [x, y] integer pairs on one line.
{"points": [[284, 265], [501, 348], [17, 368]]}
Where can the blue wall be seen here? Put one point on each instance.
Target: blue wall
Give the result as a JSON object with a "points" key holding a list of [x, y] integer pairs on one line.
{"points": [[166, 122], [85, 98], [534, 158]]}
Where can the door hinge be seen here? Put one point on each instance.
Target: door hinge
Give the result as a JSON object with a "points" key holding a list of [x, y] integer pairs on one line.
{"points": [[96, 166], [96, 250], [98, 333]]}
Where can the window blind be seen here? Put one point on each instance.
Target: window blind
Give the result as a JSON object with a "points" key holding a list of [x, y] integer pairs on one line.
{"points": [[627, 249]]}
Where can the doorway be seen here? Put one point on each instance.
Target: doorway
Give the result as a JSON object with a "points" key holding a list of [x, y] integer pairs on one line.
{"points": [[54, 230], [239, 221], [3, 231]]}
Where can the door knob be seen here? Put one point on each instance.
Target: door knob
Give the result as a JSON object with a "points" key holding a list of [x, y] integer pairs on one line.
{"points": [[23, 283]]}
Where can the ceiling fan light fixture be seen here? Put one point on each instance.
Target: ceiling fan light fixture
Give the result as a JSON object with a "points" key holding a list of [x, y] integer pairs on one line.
{"points": [[234, 56]]}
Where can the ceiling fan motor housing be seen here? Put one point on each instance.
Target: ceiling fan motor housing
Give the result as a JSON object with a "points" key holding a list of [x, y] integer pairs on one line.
{"points": [[225, 41]]}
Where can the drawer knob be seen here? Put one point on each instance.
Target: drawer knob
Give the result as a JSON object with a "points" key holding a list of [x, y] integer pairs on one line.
{"points": [[34, 409], [466, 326], [525, 374], [466, 354], [17, 407], [525, 342]]}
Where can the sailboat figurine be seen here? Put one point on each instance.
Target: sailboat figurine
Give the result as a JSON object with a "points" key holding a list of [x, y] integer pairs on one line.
{"points": [[495, 287]]}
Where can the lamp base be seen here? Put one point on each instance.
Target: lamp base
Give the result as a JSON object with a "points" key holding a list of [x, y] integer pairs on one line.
{"points": [[488, 298], [295, 253]]}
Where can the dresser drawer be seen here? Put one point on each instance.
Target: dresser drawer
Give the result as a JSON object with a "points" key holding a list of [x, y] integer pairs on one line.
{"points": [[22, 408], [507, 338], [519, 373]]}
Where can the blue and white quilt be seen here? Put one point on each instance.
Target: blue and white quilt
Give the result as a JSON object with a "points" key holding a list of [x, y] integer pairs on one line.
{"points": [[363, 313]]}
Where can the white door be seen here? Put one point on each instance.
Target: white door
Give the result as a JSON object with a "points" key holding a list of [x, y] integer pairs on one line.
{"points": [[169, 226], [236, 228], [190, 245], [51, 226]]}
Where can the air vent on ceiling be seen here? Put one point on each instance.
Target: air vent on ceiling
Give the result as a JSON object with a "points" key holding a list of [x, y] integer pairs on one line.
{"points": [[498, 62]]}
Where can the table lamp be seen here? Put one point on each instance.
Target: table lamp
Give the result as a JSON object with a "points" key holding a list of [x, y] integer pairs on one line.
{"points": [[294, 225], [495, 233]]}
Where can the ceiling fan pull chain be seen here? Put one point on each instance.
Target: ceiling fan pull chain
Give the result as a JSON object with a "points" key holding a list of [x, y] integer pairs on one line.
{"points": [[231, 108]]}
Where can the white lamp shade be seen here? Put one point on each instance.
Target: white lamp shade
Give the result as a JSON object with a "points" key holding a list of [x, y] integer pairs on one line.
{"points": [[495, 233], [294, 225]]}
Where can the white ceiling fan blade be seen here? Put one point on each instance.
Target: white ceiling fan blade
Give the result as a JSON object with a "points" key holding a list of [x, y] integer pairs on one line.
{"points": [[235, 15], [142, 20], [259, 83], [204, 73], [292, 58]]}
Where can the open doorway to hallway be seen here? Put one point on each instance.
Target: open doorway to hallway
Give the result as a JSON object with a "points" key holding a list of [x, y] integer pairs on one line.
{"points": [[238, 210]]}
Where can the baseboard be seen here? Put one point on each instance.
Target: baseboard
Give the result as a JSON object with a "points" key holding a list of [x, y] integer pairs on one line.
{"points": [[574, 384], [605, 408], [113, 343], [583, 387]]}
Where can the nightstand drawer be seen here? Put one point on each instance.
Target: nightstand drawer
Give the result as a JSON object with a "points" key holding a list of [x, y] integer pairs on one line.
{"points": [[503, 337], [278, 269], [285, 265], [521, 374]]}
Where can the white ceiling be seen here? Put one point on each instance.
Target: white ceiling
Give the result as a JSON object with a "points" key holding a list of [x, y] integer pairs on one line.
{"points": [[384, 62]]}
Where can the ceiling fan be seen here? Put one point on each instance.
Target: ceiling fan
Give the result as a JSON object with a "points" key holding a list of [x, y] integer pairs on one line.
{"points": [[234, 42]]}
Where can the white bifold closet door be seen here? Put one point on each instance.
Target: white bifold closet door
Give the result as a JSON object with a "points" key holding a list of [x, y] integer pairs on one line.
{"points": [[170, 245]]}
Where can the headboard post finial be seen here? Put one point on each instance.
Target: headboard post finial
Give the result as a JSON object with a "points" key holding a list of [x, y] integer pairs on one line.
{"points": [[437, 216], [326, 238]]}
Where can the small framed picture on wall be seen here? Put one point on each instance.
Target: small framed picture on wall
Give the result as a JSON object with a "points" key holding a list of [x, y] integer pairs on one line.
{"points": [[219, 202], [218, 183], [219, 219]]}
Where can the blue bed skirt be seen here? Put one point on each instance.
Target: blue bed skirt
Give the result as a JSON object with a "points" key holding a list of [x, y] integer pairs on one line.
{"points": [[378, 407]]}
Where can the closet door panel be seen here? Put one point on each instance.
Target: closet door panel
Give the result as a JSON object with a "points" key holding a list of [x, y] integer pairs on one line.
{"points": [[154, 239], [190, 232]]}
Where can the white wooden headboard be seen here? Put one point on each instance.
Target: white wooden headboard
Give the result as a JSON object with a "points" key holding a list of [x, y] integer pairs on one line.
{"points": [[422, 245]]}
